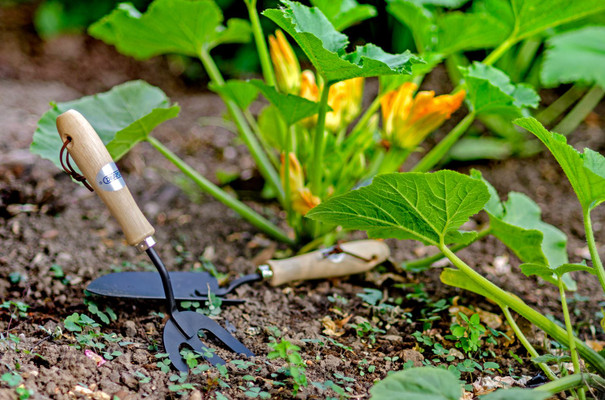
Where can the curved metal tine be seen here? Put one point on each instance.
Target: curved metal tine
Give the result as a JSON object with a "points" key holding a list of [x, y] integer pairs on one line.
{"points": [[224, 336], [173, 339], [232, 285]]}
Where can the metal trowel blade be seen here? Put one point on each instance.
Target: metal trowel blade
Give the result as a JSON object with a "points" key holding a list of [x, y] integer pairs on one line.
{"points": [[148, 286]]}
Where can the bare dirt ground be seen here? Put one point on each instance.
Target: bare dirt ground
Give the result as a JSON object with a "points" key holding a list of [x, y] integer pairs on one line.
{"points": [[56, 237]]}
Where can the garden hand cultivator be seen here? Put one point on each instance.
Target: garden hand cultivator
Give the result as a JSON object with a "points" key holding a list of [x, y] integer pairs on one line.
{"points": [[98, 168]]}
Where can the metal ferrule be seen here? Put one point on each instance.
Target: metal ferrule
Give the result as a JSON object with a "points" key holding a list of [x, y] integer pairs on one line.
{"points": [[265, 271], [147, 243]]}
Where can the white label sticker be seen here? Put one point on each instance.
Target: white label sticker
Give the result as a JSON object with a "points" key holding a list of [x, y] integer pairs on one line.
{"points": [[109, 178]]}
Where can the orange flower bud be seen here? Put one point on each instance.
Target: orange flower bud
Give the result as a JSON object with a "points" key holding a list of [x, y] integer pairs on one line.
{"points": [[285, 64], [301, 198]]}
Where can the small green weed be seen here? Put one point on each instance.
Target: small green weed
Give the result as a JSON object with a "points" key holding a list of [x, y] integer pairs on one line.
{"points": [[468, 335], [105, 316], [365, 330], [18, 309], [295, 366], [212, 306], [13, 380], [87, 334]]}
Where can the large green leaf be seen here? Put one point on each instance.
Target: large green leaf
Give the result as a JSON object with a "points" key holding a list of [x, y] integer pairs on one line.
{"points": [[241, 92], [272, 126], [442, 3], [574, 56], [429, 207], [521, 221], [292, 108], [535, 16], [418, 19], [122, 116], [326, 47], [426, 383], [344, 13], [547, 273], [460, 31], [517, 223], [490, 91], [516, 394], [585, 171], [451, 32], [169, 26]]}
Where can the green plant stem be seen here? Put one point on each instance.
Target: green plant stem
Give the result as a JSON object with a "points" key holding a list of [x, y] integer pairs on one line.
{"points": [[530, 349], [570, 382], [315, 173], [246, 212], [552, 112], [592, 248], [533, 316], [440, 150], [525, 56], [367, 115], [422, 264], [262, 161], [261, 44], [286, 178], [500, 50], [393, 160], [261, 139], [570, 336], [577, 114]]}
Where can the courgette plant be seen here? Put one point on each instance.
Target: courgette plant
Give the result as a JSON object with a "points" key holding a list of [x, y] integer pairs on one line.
{"points": [[313, 140]]}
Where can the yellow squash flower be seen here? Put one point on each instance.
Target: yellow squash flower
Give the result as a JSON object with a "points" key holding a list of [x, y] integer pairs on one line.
{"points": [[344, 98], [285, 64], [408, 119], [301, 197]]}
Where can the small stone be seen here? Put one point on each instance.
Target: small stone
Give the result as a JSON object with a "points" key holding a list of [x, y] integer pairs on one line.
{"points": [[140, 357], [130, 328], [195, 395], [129, 380], [51, 388], [393, 338], [123, 395], [412, 355]]}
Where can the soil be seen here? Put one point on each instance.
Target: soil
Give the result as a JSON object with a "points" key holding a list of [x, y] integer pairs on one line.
{"points": [[48, 224]]}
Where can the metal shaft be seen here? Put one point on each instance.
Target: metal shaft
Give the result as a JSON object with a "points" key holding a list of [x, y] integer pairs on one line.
{"points": [[155, 259]]}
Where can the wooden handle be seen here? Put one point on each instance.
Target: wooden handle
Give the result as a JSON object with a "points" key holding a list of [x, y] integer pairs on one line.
{"points": [[318, 264], [95, 163]]}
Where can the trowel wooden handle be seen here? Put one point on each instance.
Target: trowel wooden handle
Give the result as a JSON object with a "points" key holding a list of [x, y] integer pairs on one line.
{"points": [[97, 166], [358, 256]]}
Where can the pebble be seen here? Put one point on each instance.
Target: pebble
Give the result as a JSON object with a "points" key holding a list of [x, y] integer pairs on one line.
{"points": [[413, 355], [195, 395], [130, 328], [140, 357]]}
